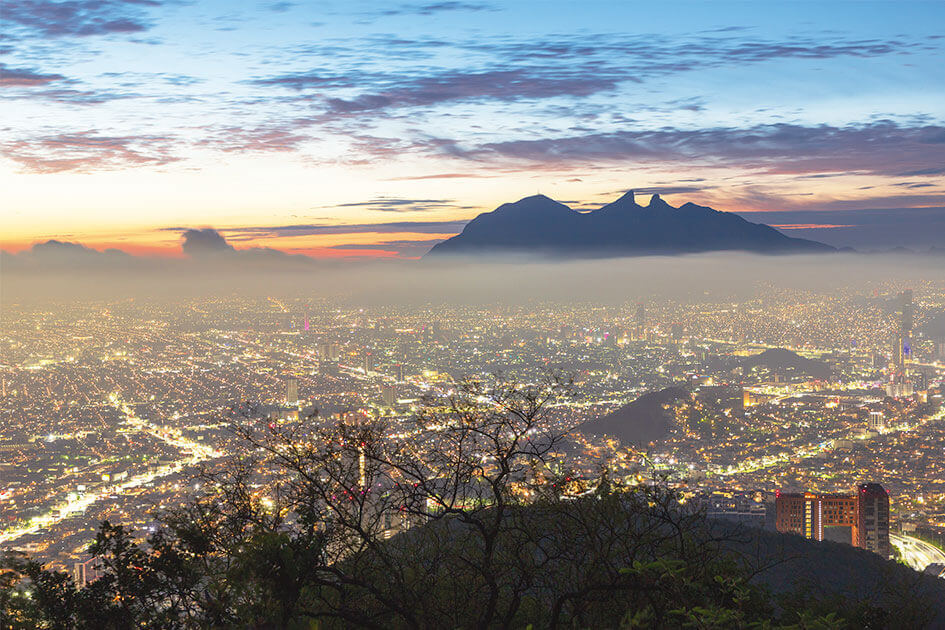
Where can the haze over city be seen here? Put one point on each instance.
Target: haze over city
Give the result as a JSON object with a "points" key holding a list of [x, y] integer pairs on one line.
{"points": [[472, 314]]}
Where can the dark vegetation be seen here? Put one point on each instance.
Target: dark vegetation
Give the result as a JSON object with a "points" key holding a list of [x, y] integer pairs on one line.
{"points": [[498, 537]]}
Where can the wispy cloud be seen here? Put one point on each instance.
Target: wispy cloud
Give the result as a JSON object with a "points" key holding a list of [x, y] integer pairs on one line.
{"points": [[79, 18], [22, 77], [88, 151], [883, 147], [388, 204], [312, 229]]}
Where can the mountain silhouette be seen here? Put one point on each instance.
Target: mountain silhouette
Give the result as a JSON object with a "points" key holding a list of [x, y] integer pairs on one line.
{"points": [[539, 225]]}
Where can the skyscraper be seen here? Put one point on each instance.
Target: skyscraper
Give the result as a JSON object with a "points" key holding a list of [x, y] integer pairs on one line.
{"points": [[367, 363], [389, 394], [292, 391], [872, 519]]}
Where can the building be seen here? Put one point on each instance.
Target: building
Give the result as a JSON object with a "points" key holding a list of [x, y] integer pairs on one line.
{"points": [[861, 518], [389, 393], [367, 363], [747, 508], [292, 391], [877, 421], [399, 372], [85, 572], [872, 519]]}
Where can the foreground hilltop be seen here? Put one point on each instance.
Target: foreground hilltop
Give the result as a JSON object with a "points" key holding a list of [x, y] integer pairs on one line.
{"points": [[540, 225]]}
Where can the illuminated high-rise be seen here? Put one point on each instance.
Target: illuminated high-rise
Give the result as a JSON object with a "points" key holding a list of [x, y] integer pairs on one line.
{"points": [[292, 391], [872, 519]]}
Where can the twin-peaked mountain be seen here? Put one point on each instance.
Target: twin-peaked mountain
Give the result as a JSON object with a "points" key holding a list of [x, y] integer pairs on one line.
{"points": [[539, 225]]}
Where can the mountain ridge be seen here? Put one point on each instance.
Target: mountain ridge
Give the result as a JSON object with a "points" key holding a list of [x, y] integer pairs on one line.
{"points": [[541, 225]]}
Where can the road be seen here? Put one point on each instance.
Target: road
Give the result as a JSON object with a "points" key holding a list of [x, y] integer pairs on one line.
{"points": [[193, 452], [918, 554]]}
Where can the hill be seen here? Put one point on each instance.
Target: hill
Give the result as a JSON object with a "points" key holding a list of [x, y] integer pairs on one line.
{"points": [[540, 225], [787, 363], [640, 421]]}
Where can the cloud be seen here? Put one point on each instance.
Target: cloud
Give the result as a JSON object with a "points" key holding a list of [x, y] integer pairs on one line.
{"points": [[54, 255], [862, 228], [79, 18], [652, 54], [403, 248], [883, 147], [265, 139], [87, 151], [311, 229], [444, 86], [388, 204], [21, 77], [437, 7], [499, 85], [203, 242]]}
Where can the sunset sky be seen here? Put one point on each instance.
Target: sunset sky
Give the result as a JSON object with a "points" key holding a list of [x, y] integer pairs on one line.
{"points": [[376, 129]]}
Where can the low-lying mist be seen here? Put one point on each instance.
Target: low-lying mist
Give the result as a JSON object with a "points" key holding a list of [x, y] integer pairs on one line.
{"points": [[711, 277]]}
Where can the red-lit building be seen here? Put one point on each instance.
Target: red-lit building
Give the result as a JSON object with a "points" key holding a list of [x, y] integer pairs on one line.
{"points": [[865, 512]]}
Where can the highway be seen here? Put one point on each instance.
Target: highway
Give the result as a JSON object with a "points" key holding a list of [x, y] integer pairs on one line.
{"points": [[193, 452], [918, 554]]}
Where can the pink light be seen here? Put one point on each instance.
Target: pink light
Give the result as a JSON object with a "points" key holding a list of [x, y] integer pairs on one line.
{"points": [[306, 323]]}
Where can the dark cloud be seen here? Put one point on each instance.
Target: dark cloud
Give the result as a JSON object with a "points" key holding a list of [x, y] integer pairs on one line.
{"points": [[204, 242], [651, 54], [207, 245], [387, 204], [21, 77], [71, 96], [883, 147], [436, 7], [87, 151], [55, 255], [555, 67], [389, 227], [79, 18], [498, 85], [861, 228], [443, 86]]}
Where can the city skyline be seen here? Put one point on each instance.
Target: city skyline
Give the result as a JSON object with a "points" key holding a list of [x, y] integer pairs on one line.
{"points": [[376, 130]]}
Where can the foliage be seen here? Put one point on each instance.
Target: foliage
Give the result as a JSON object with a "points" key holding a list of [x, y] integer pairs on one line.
{"points": [[460, 522]]}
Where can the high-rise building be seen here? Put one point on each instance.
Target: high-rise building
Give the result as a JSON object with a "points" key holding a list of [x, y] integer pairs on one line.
{"points": [[85, 572], [872, 519], [906, 309], [292, 391], [865, 513], [389, 394], [399, 372], [367, 363]]}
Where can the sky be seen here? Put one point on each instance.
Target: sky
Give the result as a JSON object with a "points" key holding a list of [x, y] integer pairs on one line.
{"points": [[358, 129]]}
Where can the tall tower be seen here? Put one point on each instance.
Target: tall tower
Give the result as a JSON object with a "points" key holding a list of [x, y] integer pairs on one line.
{"points": [[906, 322], [872, 519], [292, 391]]}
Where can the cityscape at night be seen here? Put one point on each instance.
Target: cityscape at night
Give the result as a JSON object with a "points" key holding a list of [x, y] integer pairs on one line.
{"points": [[472, 315]]}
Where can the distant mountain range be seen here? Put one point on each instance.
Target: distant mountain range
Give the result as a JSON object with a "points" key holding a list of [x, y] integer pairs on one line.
{"points": [[539, 225]]}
